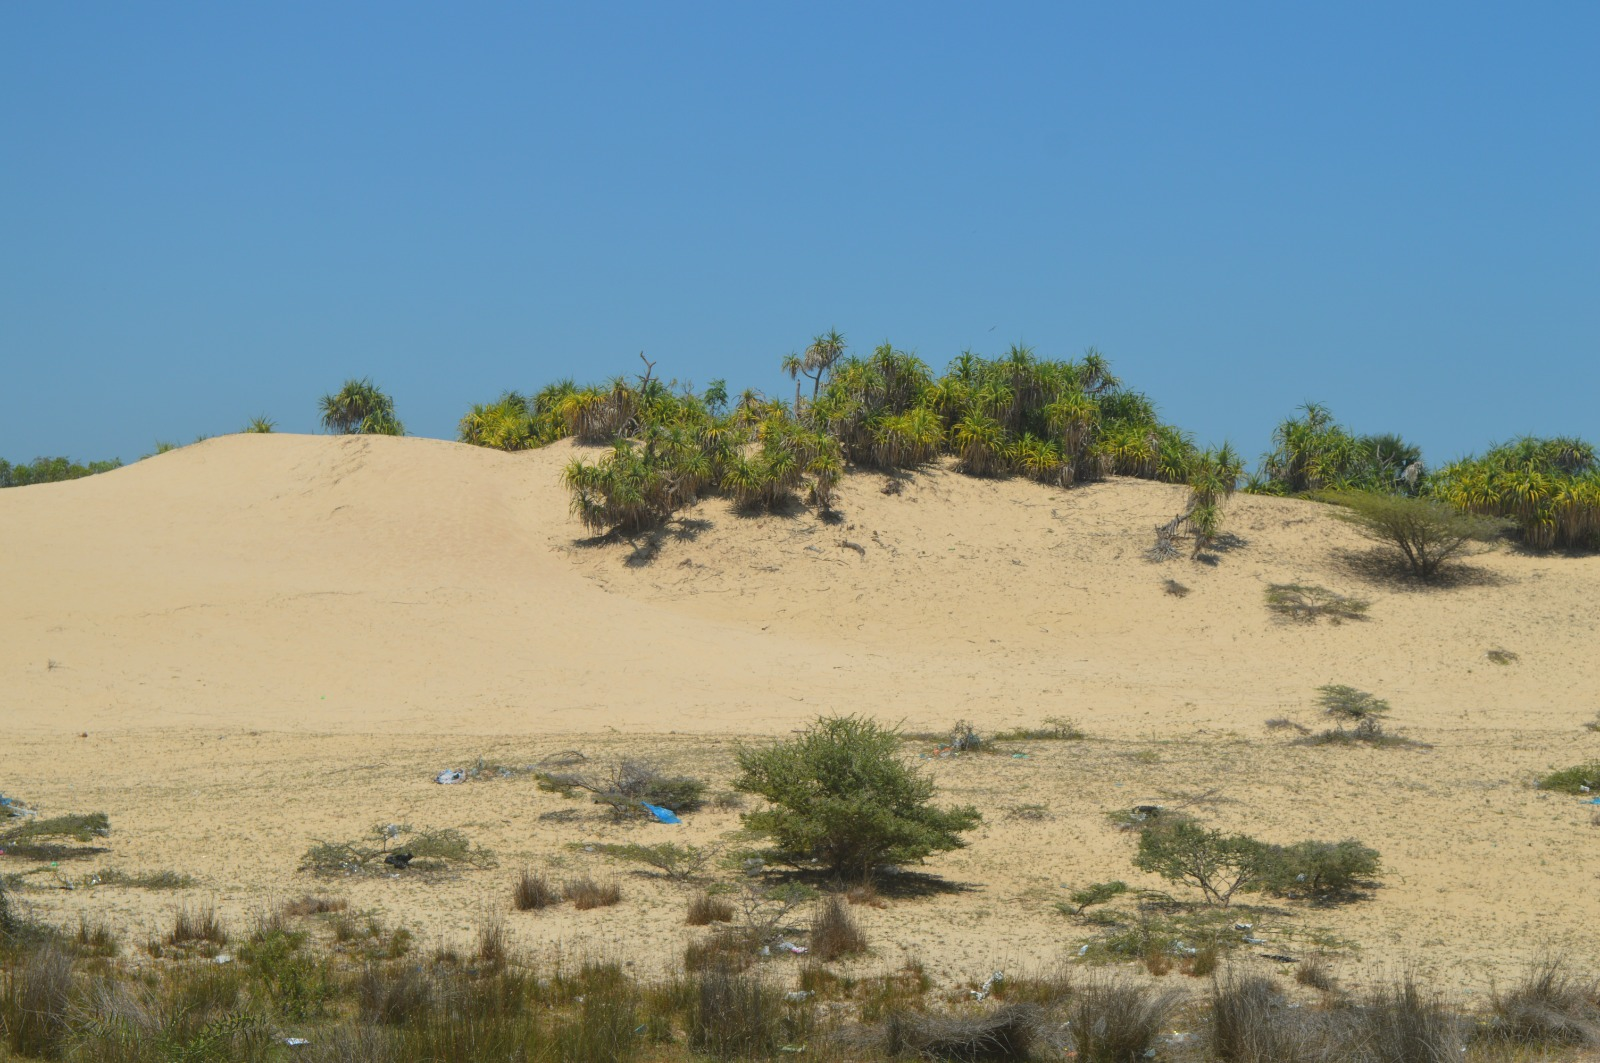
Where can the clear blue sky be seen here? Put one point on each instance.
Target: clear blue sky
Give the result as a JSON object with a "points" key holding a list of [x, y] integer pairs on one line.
{"points": [[213, 211]]}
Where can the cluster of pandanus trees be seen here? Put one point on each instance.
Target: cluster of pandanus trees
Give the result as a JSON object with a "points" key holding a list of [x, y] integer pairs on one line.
{"points": [[1548, 488], [1057, 422]]}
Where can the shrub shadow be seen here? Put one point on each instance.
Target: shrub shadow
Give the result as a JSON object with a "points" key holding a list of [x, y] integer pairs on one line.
{"points": [[1377, 567]]}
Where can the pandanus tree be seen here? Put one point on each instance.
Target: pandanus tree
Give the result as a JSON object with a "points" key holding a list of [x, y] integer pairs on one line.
{"points": [[359, 407]]}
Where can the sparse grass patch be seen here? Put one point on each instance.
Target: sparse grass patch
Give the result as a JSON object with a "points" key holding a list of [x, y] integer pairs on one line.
{"points": [[95, 939], [396, 848], [493, 950], [678, 862], [1033, 812], [1499, 656], [586, 893], [392, 994], [532, 892], [731, 947], [1054, 729], [628, 786], [1579, 779], [1315, 973], [143, 880], [1402, 1021], [1308, 604]]}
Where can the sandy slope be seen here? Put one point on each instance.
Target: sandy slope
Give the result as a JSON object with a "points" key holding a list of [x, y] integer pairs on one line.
{"points": [[309, 626]]}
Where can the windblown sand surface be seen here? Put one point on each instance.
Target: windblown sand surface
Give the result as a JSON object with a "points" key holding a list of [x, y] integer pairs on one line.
{"points": [[269, 640]]}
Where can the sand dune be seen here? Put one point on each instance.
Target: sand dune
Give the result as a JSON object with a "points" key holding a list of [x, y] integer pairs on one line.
{"points": [[312, 626], [415, 585]]}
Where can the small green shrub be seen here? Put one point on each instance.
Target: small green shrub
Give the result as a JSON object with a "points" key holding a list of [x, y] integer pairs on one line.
{"points": [[705, 909], [1098, 893], [397, 847], [1321, 870], [1579, 779], [841, 797], [1219, 865], [1422, 533]]}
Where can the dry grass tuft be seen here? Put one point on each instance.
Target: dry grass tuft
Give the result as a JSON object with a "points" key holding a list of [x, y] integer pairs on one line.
{"points": [[1549, 1007], [192, 926], [586, 893], [1314, 972], [705, 909], [532, 892], [835, 932], [1115, 1021], [314, 904], [492, 950], [1009, 1032]]}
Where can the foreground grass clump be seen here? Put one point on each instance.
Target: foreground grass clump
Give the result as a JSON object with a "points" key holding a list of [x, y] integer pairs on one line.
{"points": [[61, 1002], [1549, 1006], [840, 797]]}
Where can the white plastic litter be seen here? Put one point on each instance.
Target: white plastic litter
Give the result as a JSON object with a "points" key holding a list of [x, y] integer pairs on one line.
{"points": [[295, 1041], [450, 777], [222, 958], [988, 985]]}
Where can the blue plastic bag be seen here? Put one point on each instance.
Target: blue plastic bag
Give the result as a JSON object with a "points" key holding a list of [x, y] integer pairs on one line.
{"points": [[665, 815]]}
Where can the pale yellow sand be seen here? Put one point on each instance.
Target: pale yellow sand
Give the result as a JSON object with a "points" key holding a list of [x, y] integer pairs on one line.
{"points": [[272, 639]]}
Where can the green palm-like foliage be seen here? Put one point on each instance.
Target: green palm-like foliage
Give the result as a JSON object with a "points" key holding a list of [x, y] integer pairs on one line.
{"points": [[359, 407], [1550, 489], [1038, 459], [980, 445], [261, 425], [908, 439], [1052, 421]]}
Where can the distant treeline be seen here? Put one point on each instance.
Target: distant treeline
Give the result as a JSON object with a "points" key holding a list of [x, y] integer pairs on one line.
{"points": [[50, 470]]}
